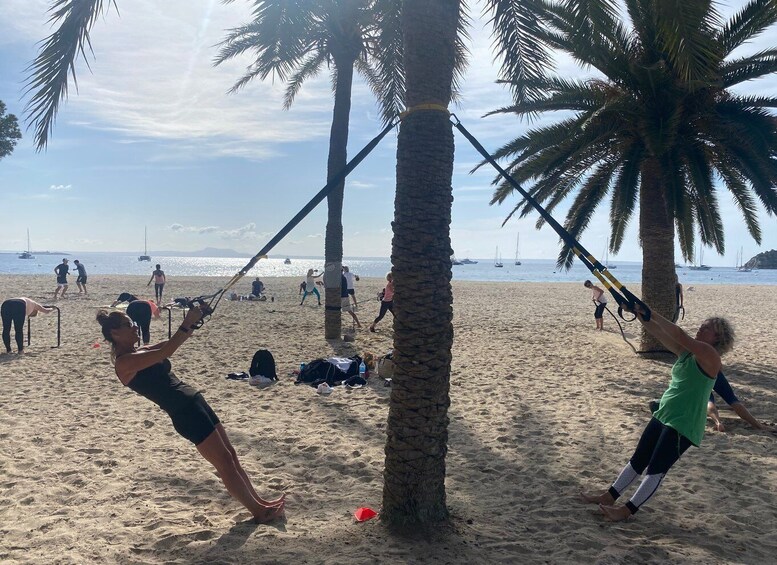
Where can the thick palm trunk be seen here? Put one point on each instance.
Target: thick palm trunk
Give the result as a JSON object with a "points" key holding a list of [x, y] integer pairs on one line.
{"points": [[414, 488], [656, 233], [333, 242]]}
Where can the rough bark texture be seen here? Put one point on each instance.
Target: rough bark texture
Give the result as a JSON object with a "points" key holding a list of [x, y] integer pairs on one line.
{"points": [[333, 242], [414, 488], [656, 233]]}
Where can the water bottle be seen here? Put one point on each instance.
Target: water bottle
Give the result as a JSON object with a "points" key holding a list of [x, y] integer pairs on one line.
{"points": [[301, 368], [362, 369]]}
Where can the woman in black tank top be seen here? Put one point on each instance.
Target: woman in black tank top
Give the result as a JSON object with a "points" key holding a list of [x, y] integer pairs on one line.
{"points": [[148, 371]]}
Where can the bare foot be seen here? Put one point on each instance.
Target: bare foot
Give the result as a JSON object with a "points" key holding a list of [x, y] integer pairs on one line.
{"points": [[615, 513], [603, 497], [278, 501], [269, 514]]}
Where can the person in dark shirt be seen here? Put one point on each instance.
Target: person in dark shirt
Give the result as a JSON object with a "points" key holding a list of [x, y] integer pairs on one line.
{"points": [[346, 301], [257, 289], [147, 371], [61, 270], [81, 280]]}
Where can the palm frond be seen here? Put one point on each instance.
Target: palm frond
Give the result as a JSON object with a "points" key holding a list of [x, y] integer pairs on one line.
{"points": [[624, 194], [308, 68], [743, 199], [48, 74], [749, 22], [387, 61], [749, 68], [517, 28]]}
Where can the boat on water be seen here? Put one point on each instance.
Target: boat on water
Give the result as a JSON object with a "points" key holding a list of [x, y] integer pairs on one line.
{"points": [[287, 261], [455, 261], [468, 262], [27, 254], [145, 256], [498, 259], [741, 265], [517, 247], [700, 266], [606, 255]]}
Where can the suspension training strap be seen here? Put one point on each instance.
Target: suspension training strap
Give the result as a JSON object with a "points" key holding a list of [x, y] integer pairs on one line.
{"points": [[622, 295]]}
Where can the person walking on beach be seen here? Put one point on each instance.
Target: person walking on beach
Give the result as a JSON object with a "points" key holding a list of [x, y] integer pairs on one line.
{"points": [[158, 276], [61, 270], [600, 299], [345, 301], [386, 301], [147, 371], [310, 286], [680, 419], [350, 277], [140, 312], [14, 311], [81, 280]]}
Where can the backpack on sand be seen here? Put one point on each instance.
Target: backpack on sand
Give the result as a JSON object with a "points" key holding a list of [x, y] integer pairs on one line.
{"points": [[263, 364]]}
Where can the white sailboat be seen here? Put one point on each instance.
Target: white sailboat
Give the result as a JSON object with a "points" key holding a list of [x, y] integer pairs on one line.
{"points": [[27, 254], [145, 256], [517, 247], [741, 266], [498, 259], [701, 266], [606, 255]]}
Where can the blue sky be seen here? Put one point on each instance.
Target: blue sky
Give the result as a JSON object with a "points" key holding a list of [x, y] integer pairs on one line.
{"points": [[153, 139]]}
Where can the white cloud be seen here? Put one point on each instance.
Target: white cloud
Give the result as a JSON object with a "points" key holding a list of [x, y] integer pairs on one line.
{"points": [[60, 187]]}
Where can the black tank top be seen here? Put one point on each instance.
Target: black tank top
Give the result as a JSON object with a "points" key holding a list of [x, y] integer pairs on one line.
{"points": [[160, 385]]}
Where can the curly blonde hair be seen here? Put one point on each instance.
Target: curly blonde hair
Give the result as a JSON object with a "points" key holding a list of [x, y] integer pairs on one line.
{"points": [[725, 332]]}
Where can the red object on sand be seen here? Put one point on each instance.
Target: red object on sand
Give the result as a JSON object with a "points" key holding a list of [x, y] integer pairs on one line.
{"points": [[364, 514], [95, 345]]}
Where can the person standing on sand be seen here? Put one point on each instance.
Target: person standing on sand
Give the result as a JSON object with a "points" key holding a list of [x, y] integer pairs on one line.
{"points": [[14, 311], [350, 277], [81, 280], [600, 299], [147, 371], [345, 301], [310, 286], [681, 417], [158, 276], [386, 301], [61, 270]]}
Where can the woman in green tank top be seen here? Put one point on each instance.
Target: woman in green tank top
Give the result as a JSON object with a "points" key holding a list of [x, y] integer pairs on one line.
{"points": [[681, 416]]}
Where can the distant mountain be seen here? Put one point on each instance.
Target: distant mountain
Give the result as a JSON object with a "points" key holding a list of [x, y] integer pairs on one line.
{"points": [[765, 260], [207, 252]]}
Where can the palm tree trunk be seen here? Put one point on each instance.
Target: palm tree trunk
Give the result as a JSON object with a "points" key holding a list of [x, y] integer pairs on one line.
{"points": [[338, 156], [656, 233], [417, 442]]}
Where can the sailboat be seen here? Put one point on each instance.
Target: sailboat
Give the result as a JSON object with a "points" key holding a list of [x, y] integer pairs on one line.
{"points": [[741, 266], [27, 254], [498, 259], [607, 257], [145, 256], [517, 241], [701, 266]]}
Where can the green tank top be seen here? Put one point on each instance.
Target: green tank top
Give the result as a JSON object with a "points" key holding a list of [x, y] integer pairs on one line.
{"points": [[684, 404]]}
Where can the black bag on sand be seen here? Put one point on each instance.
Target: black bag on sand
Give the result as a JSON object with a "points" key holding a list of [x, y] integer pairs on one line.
{"points": [[263, 364], [321, 371]]}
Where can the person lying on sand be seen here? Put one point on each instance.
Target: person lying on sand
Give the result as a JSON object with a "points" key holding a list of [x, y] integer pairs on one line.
{"points": [[681, 417], [147, 371]]}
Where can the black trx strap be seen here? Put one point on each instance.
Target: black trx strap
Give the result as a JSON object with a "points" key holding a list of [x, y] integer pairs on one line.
{"points": [[622, 295], [212, 300]]}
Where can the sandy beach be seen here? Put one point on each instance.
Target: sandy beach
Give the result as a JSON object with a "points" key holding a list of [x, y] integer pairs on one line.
{"points": [[542, 406]]}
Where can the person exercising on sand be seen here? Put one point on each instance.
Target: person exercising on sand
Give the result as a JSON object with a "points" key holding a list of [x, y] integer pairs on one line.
{"points": [[147, 371], [681, 417]]}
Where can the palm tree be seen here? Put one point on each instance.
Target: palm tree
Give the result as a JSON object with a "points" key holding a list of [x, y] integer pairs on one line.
{"points": [[414, 476], [293, 41], [657, 127]]}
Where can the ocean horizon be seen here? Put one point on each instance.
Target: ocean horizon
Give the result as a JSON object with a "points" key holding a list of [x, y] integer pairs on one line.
{"points": [[530, 270]]}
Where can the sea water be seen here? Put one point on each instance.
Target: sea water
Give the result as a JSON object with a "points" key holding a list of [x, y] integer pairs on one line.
{"points": [[530, 270]]}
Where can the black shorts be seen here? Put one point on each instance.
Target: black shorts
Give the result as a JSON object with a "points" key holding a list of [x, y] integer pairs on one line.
{"points": [[599, 310], [352, 292], [195, 421], [61, 280], [81, 279]]}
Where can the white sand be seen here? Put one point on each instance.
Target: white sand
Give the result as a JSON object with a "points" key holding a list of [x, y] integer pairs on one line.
{"points": [[542, 406]]}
